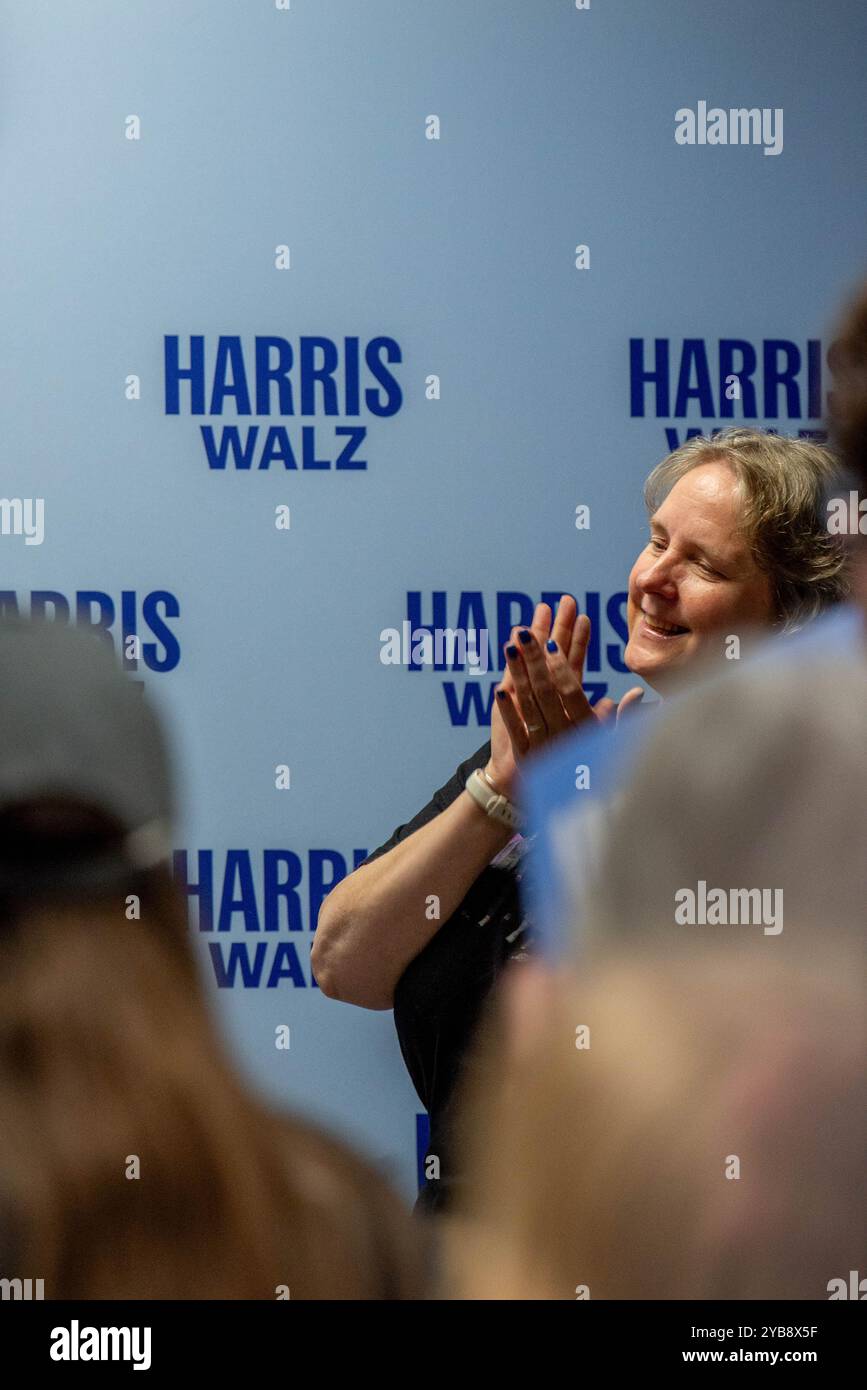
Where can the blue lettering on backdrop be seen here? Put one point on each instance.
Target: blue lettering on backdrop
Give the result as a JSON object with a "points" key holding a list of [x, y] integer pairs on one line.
{"points": [[328, 384], [98, 610], [774, 373], [422, 1144], [473, 702], [235, 897]]}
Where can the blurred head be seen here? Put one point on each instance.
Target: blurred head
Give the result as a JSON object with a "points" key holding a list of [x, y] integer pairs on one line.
{"points": [[848, 419], [133, 1161], [738, 543], [605, 1158], [666, 1130], [755, 781]]}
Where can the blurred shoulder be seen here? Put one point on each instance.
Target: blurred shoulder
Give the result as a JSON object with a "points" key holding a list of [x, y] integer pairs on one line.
{"points": [[358, 1209]]}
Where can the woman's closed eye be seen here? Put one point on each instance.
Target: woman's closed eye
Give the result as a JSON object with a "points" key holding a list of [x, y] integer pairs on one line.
{"points": [[658, 544], [709, 570]]}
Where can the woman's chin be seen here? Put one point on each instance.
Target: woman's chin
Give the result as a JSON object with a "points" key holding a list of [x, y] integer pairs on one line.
{"points": [[658, 668]]}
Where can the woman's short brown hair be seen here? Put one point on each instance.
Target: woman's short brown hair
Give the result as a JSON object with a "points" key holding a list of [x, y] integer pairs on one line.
{"points": [[785, 484]]}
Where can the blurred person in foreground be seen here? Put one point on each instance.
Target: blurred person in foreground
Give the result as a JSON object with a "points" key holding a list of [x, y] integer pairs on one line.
{"points": [[134, 1163], [705, 1136], [670, 1129]]}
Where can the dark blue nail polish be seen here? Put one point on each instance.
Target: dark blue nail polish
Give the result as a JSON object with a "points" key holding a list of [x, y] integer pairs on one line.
{"points": [[501, 694], [511, 650], [524, 635], [551, 645]]}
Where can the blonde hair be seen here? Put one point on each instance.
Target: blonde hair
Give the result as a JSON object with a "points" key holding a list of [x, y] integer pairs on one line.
{"points": [[784, 485]]}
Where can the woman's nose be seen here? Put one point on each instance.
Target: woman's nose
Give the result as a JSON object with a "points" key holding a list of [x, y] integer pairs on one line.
{"points": [[658, 577]]}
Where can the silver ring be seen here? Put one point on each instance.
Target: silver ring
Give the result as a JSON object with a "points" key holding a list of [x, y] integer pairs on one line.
{"points": [[533, 728]]}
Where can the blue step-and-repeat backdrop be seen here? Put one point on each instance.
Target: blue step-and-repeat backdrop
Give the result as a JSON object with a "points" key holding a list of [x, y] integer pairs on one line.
{"points": [[322, 318]]}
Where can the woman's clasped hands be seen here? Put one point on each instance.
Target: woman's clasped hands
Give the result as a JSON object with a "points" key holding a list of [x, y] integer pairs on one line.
{"points": [[542, 692]]}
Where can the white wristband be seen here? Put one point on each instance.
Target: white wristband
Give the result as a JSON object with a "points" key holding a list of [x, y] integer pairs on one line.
{"points": [[494, 804]]}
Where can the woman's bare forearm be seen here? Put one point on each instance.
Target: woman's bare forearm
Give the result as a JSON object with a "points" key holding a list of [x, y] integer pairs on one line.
{"points": [[376, 920]]}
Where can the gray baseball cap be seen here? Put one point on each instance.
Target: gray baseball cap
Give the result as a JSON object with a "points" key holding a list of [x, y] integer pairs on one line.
{"points": [[74, 726]]}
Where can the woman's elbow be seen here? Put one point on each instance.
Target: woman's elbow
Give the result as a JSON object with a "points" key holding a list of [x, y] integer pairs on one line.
{"points": [[337, 963], [325, 951]]}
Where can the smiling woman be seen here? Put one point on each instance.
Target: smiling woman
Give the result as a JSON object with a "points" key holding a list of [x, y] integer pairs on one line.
{"points": [[738, 544], [738, 541]]}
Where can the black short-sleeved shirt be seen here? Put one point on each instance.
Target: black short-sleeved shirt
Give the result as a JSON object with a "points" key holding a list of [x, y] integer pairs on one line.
{"points": [[441, 994]]}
